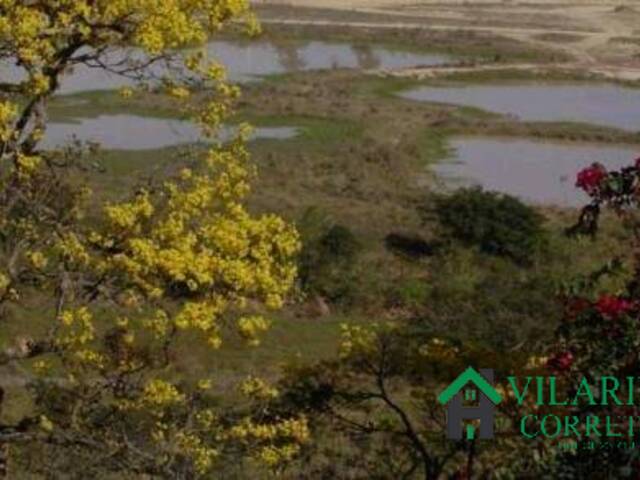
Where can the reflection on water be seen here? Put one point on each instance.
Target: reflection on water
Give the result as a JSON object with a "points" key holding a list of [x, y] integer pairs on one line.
{"points": [[261, 58], [130, 132], [367, 58], [607, 105], [247, 61], [538, 172]]}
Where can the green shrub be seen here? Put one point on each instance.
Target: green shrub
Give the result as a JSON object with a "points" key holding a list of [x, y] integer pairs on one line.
{"points": [[496, 223], [329, 260], [339, 244]]}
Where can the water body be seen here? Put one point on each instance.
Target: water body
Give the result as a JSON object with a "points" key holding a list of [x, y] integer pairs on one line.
{"points": [[246, 61], [606, 105], [131, 132], [537, 172]]}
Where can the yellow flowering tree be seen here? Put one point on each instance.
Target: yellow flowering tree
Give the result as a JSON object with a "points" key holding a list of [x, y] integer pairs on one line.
{"points": [[180, 259]]}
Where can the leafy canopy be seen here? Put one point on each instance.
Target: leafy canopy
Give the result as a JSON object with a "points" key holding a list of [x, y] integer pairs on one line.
{"points": [[498, 224], [180, 260]]}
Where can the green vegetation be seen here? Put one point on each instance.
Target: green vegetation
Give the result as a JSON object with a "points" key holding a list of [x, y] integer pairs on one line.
{"points": [[388, 304], [497, 224], [327, 265], [343, 166]]}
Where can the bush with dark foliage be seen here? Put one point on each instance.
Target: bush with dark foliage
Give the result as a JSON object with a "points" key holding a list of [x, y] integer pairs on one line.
{"points": [[498, 224], [328, 264]]}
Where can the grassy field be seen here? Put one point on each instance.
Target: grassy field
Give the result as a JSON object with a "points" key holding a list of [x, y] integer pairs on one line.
{"points": [[357, 181], [361, 151], [361, 160]]}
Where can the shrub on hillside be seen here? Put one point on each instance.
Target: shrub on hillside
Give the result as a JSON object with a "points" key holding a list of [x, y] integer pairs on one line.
{"points": [[328, 260], [498, 224]]}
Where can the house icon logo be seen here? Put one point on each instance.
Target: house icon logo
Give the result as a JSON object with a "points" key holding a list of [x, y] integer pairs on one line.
{"points": [[470, 382]]}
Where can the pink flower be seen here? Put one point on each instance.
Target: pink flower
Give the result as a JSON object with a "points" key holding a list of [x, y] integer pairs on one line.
{"points": [[561, 361], [611, 306], [591, 177]]}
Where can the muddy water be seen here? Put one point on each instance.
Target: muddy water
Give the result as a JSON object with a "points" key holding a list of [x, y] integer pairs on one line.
{"points": [[538, 172], [247, 61], [130, 132], [607, 105]]}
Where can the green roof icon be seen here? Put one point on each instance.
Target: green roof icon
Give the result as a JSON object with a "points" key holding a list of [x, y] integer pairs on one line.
{"points": [[469, 375]]}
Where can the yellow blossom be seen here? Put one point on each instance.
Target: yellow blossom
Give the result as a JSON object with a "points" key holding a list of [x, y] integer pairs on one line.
{"points": [[257, 388], [160, 393], [28, 164], [250, 327], [179, 92], [8, 112], [46, 424], [37, 259], [4, 282], [126, 92], [204, 384]]}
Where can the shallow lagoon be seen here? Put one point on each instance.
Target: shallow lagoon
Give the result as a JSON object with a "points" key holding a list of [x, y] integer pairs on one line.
{"points": [[538, 172], [246, 61], [606, 105], [131, 132]]}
